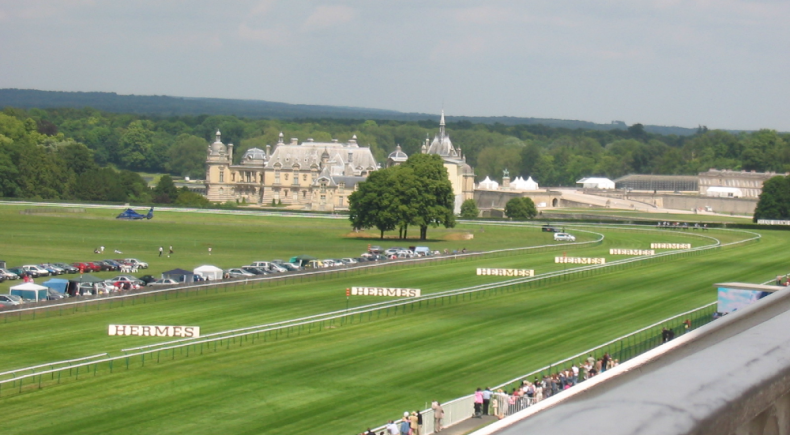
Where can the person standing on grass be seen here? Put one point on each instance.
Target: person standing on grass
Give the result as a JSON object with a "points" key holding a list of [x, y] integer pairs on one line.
{"points": [[438, 416], [209, 250], [171, 251], [161, 249]]}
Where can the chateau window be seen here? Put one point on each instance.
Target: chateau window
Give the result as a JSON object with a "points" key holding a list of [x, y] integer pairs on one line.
{"points": [[296, 179], [276, 177], [221, 176], [304, 194], [323, 187], [340, 201]]}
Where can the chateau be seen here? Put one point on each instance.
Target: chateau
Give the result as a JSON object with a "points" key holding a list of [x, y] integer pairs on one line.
{"points": [[315, 175]]}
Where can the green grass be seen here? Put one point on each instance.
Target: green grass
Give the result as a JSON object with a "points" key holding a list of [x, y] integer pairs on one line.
{"points": [[343, 379]]}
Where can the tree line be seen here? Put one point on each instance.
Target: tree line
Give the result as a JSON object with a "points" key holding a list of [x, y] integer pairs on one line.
{"points": [[177, 145]]}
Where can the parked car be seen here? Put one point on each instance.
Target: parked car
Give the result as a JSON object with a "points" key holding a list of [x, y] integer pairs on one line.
{"points": [[115, 264], [54, 295], [375, 249], [53, 270], [94, 288], [66, 267], [35, 271], [268, 266], [82, 266], [564, 237], [6, 274], [164, 281], [18, 271], [348, 261], [549, 229], [11, 300], [123, 279], [290, 267], [93, 266], [136, 262], [392, 251], [238, 272], [147, 279], [254, 270]]}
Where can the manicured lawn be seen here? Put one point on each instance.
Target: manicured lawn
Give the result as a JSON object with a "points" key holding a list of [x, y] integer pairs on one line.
{"points": [[340, 380]]}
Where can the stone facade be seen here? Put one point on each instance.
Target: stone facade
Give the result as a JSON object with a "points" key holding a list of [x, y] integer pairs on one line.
{"points": [[309, 175]]}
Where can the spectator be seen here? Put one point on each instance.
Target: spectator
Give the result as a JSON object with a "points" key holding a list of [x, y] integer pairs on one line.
{"points": [[413, 425], [478, 403], [438, 416], [392, 428], [405, 424], [486, 400]]}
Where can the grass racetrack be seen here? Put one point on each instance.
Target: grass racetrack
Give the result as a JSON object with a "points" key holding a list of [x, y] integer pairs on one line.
{"points": [[343, 379]]}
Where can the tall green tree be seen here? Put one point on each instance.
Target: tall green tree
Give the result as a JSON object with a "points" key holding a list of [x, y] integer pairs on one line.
{"points": [[520, 209], [187, 156], [165, 191], [434, 200], [774, 202], [469, 209], [374, 204]]}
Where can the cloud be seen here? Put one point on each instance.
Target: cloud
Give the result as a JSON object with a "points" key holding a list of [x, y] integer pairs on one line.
{"points": [[262, 8], [325, 17], [269, 36]]}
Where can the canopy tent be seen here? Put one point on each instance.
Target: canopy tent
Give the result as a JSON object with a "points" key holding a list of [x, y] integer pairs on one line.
{"points": [[179, 275], [724, 192], [208, 272], [57, 284], [596, 183], [30, 291], [488, 184]]}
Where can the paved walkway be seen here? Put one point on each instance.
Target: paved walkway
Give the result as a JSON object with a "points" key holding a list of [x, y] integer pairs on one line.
{"points": [[469, 425]]}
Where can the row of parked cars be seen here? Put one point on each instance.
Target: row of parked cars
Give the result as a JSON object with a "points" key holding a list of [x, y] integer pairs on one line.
{"points": [[54, 269]]}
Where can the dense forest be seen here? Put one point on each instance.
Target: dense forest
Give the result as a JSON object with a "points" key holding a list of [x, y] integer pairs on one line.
{"points": [[164, 105], [53, 153]]}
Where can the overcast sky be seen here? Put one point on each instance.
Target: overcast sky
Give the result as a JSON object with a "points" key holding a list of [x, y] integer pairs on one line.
{"points": [[720, 63]]}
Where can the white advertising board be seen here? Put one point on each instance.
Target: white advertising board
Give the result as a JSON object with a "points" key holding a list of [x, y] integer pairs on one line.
{"points": [[505, 272], [579, 260], [155, 331], [385, 291], [615, 251], [670, 246]]}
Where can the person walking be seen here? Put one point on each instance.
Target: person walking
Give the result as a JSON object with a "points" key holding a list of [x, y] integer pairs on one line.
{"points": [[171, 251], [438, 416], [161, 249], [209, 250]]}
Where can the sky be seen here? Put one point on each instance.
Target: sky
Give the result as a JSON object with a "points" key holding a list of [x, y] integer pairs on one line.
{"points": [[720, 63]]}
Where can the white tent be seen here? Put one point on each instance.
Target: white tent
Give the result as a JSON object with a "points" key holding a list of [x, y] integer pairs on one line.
{"points": [[30, 291], [596, 183], [488, 184], [521, 184], [208, 272], [724, 192]]}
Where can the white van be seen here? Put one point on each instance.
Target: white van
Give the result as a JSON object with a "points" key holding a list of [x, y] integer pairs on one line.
{"points": [[422, 251], [564, 237]]}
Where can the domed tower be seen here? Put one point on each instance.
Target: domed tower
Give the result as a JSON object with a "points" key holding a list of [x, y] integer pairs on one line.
{"points": [[218, 161], [396, 157]]}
